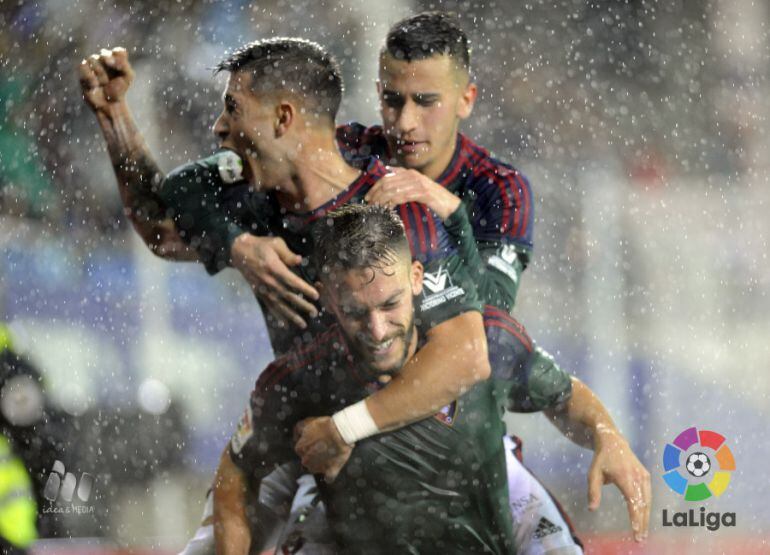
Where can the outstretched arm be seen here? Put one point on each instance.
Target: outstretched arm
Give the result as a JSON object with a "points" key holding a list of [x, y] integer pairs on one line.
{"points": [[105, 78], [585, 420]]}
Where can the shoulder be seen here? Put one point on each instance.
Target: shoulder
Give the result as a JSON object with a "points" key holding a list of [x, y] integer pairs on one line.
{"points": [[323, 353], [506, 330], [221, 169], [485, 169], [356, 140]]}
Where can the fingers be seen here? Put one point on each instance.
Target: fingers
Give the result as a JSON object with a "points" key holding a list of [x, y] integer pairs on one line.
{"points": [[299, 428], [331, 474], [289, 278], [108, 58], [595, 482], [638, 497], [98, 68], [647, 499], [86, 76], [278, 290], [120, 58], [297, 286], [635, 506], [281, 310], [398, 188], [286, 255], [297, 302]]}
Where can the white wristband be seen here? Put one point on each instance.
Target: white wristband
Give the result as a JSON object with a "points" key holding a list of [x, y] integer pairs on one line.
{"points": [[355, 422]]}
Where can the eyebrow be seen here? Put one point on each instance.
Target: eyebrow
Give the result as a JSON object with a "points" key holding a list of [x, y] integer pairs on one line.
{"points": [[394, 297], [418, 97], [426, 96]]}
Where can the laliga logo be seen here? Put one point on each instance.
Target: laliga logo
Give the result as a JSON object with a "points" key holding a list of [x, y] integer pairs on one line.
{"points": [[697, 466]]}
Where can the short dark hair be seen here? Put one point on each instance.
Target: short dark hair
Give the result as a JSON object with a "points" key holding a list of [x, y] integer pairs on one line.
{"points": [[299, 66], [429, 34], [356, 237]]}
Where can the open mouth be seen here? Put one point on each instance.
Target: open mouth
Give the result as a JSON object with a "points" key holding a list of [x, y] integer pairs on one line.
{"points": [[381, 349]]}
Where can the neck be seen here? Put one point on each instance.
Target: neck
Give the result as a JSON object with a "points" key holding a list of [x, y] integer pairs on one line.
{"points": [[441, 163], [318, 174]]}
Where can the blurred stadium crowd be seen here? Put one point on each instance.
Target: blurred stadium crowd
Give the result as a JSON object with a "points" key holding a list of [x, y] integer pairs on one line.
{"points": [[641, 124]]}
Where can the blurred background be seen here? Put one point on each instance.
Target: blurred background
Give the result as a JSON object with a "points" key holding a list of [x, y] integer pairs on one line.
{"points": [[641, 125]]}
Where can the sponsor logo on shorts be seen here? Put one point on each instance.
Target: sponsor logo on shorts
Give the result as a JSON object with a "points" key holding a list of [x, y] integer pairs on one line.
{"points": [[698, 465], [525, 503], [546, 528], [438, 289]]}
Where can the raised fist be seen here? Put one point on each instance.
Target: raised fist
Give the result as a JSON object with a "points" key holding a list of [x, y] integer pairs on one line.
{"points": [[105, 78]]}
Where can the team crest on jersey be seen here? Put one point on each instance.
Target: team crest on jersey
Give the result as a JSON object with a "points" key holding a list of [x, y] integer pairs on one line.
{"points": [[243, 433], [447, 414], [230, 167], [503, 260], [438, 288]]}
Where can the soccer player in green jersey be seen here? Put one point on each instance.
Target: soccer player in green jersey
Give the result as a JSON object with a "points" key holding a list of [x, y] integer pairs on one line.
{"points": [[436, 486]]}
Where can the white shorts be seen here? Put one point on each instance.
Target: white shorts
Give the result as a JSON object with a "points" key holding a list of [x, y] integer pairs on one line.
{"points": [[538, 525], [289, 514]]}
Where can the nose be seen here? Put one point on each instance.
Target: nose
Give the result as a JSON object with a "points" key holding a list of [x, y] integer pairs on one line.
{"points": [[221, 128], [406, 121], [377, 326]]}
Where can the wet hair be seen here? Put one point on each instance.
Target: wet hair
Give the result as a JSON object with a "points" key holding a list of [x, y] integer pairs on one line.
{"points": [[359, 237], [429, 34], [298, 66]]}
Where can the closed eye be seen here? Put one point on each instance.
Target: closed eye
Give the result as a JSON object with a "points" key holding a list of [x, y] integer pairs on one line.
{"points": [[392, 100]]}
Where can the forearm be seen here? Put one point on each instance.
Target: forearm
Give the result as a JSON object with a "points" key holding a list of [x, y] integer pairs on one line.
{"points": [[583, 418], [135, 168], [231, 527], [139, 177], [452, 361]]}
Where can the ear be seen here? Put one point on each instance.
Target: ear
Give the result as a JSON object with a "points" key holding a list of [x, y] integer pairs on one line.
{"points": [[378, 83], [415, 277], [467, 100], [285, 114]]}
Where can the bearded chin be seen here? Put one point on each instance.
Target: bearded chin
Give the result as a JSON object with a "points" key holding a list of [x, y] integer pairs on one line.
{"points": [[375, 372]]}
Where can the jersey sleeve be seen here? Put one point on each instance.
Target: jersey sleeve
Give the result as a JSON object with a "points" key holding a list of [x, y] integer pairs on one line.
{"points": [[449, 288], [495, 267], [501, 206], [195, 196], [263, 437], [526, 377]]}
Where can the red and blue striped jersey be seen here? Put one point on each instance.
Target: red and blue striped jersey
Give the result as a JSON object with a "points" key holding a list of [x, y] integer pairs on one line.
{"points": [[497, 195]]}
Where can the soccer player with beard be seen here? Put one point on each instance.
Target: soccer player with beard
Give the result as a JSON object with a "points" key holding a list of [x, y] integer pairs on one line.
{"points": [[436, 486]]}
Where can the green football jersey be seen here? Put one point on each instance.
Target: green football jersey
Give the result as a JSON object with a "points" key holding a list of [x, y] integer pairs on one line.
{"points": [[436, 486]]}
